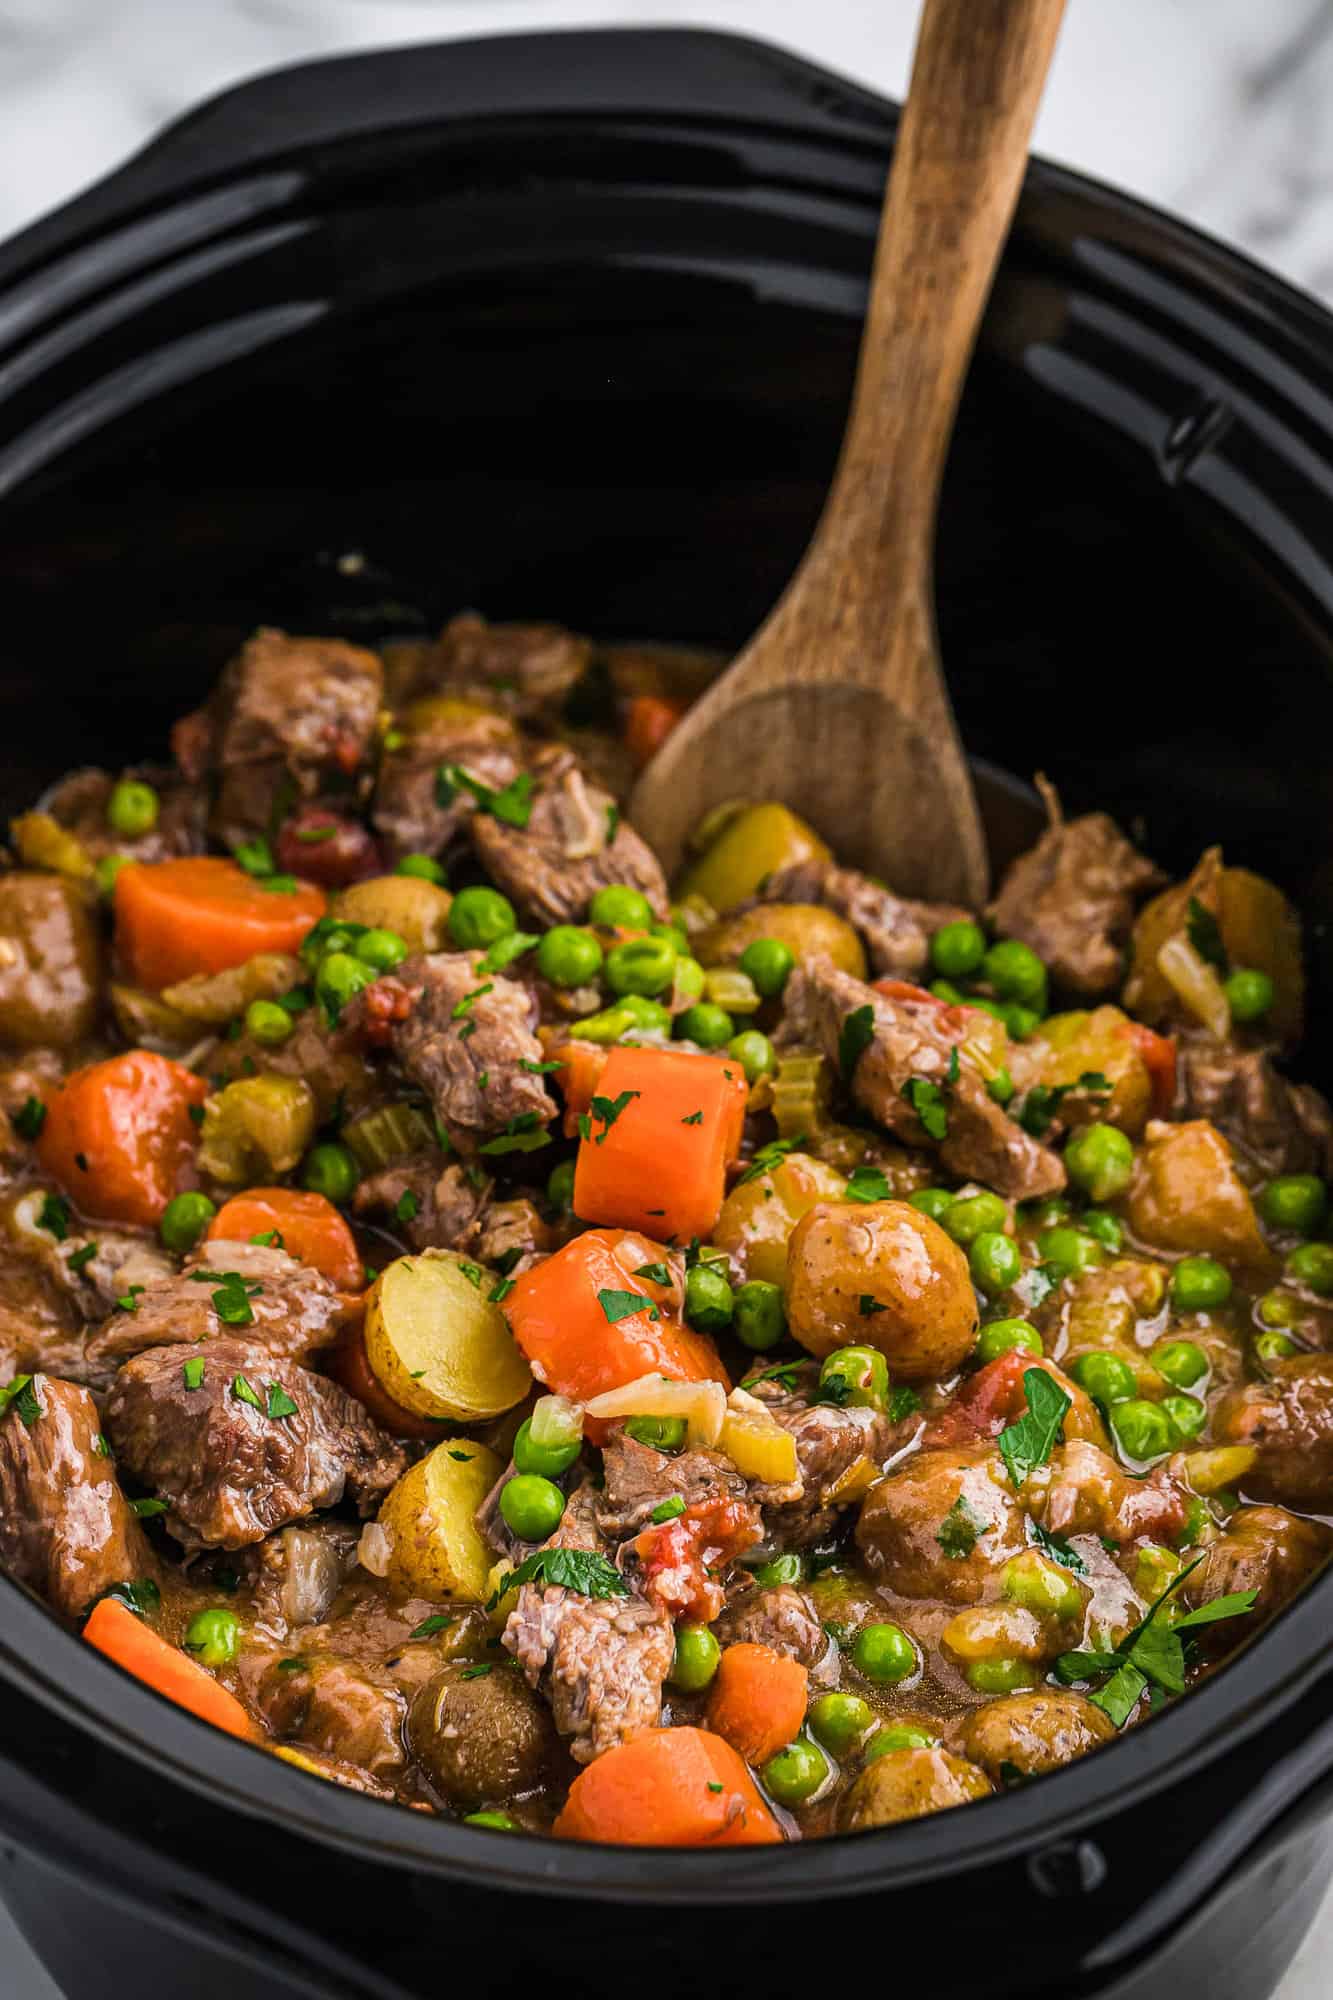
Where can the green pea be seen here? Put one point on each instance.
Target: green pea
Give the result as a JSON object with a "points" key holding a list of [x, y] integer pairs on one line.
{"points": [[1143, 1430], [1100, 1159], [708, 1025], [380, 949], [620, 908], [1279, 1308], [1182, 1362], [768, 963], [497, 1822], [480, 917], [932, 1201], [1274, 1346], [759, 1319], [1019, 1021], [1199, 1283], [1016, 973], [662, 1433], [675, 934], [958, 949], [268, 1023], [1187, 1413], [560, 1185], [319, 943], [1104, 1228], [884, 1654], [641, 965], [424, 867], [902, 1736], [1295, 1201], [994, 1261], [569, 956], [754, 1053], [1041, 1586], [796, 1773], [1002, 1336], [1073, 1248], [840, 1721], [184, 1220], [339, 978], [971, 1214], [532, 1506], [1000, 1676], [214, 1636], [690, 977], [1000, 1086], [857, 1376], [788, 1568], [1106, 1378], [1311, 1265], [709, 1300], [944, 989], [695, 1659], [330, 1170], [1048, 1212], [132, 808], [1249, 993], [107, 870], [547, 1461]]}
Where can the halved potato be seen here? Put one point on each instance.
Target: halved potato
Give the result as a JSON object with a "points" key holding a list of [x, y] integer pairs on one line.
{"points": [[807, 930], [417, 910], [436, 1549], [438, 1343]]}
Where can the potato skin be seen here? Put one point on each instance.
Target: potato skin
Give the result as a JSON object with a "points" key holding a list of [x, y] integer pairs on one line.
{"points": [[482, 1739], [907, 1784], [438, 1552], [417, 910], [843, 1252], [758, 1216], [1033, 1732]]}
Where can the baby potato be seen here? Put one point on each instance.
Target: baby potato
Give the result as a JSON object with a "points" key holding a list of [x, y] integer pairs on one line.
{"points": [[1032, 1732], [1186, 1195], [805, 928], [751, 841], [1068, 1046], [759, 1215], [880, 1274], [906, 1784], [416, 910], [438, 1344], [437, 1550], [480, 1737]]}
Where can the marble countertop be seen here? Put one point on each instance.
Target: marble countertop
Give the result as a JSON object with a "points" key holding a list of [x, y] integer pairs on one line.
{"points": [[1221, 110]]}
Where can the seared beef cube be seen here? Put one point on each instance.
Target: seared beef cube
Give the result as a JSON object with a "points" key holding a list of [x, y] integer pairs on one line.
{"points": [[49, 960], [347, 1710], [1072, 897], [260, 1442], [65, 1526], [289, 719], [294, 1308], [79, 802], [528, 670], [436, 735], [908, 1046], [446, 1205], [895, 930], [781, 1618], [830, 1442], [41, 1326], [1281, 1127], [636, 1479], [575, 843], [1288, 1419]]}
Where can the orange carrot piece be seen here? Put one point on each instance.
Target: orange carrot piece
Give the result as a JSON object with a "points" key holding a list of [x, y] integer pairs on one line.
{"points": [[668, 1788], [118, 1135], [308, 1224], [116, 1631], [649, 720], [349, 1364], [757, 1700], [560, 1312], [580, 1078], [203, 914], [1159, 1059], [661, 1164]]}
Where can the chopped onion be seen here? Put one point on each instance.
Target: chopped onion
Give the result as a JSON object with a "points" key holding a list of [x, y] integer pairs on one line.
{"points": [[1197, 985], [555, 1421], [1220, 1466], [375, 1549], [314, 1572], [702, 1404]]}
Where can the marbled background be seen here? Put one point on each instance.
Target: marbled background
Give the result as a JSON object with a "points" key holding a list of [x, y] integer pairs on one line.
{"points": [[1221, 110]]}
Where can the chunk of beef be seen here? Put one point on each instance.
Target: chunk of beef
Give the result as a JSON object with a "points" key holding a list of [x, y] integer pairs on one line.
{"points": [[781, 1618], [50, 960], [447, 1204], [895, 930], [1072, 897], [1264, 1549], [1279, 1126], [80, 800], [528, 670], [330, 1060], [464, 1037], [1288, 1419], [65, 1526], [229, 1471], [1086, 1493], [600, 1660], [41, 1326], [636, 1479], [913, 1041], [288, 718], [831, 1444], [100, 1266], [515, 1235], [295, 1308], [350, 1712], [407, 810], [575, 843]]}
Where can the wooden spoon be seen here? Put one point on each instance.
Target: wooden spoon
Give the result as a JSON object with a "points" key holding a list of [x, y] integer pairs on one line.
{"points": [[838, 705]]}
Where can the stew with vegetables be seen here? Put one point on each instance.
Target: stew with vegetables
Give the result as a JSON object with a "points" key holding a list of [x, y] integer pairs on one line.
{"points": [[740, 1364]]}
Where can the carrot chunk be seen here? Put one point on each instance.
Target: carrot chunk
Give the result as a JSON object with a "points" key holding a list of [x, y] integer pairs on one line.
{"points": [[757, 1700], [668, 1788], [308, 1225], [649, 720], [116, 1631], [203, 914], [661, 1131], [118, 1135]]}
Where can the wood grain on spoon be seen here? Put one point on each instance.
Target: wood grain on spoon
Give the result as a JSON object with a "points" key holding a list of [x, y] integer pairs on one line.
{"points": [[838, 704]]}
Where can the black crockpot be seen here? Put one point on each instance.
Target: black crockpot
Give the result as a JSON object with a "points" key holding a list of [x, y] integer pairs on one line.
{"points": [[564, 326]]}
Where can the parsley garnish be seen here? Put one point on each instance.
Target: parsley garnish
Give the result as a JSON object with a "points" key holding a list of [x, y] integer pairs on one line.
{"points": [[605, 1111], [100, 1445], [463, 1457], [657, 1273], [23, 1397], [472, 1272], [478, 1672], [858, 1032], [129, 1301], [430, 1626], [581, 1570], [269, 1239], [770, 1156], [279, 885], [192, 1372], [622, 1305], [930, 1103], [786, 1374], [280, 1404], [1153, 1651], [141, 1596], [255, 856], [1029, 1443], [715, 1785], [667, 1510], [903, 1402], [959, 1529], [539, 1069], [1057, 1548], [523, 1134], [512, 804], [310, 836], [30, 1118], [1202, 928], [469, 1000], [612, 822], [506, 949], [147, 1509], [695, 1118], [866, 1184], [406, 1208], [868, 1304], [53, 1216], [231, 1301], [1042, 1102], [80, 1259], [501, 1290], [243, 1393]]}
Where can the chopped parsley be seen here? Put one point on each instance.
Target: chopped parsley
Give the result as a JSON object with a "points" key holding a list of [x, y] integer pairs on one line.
{"points": [[472, 1272], [786, 1374], [430, 1626], [715, 1785], [231, 1301], [657, 1274], [311, 836], [407, 1207], [279, 885], [506, 949], [500, 1291], [140, 1596], [695, 1118], [868, 1305], [148, 1509], [30, 1118], [478, 1672], [1057, 1548], [243, 1393], [269, 1239], [622, 1305], [1029, 1443], [129, 1301], [469, 1000], [1041, 1103], [512, 804], [21, 1396], [524, 1133], [770, 1156], [192, 1372], [605, 1111], [280, 1404], [1153, 1652], [612, 822], [255, 856], [867, 1184], [958, 1531], [930, 1102], [100, 1445], [53, 1216], [80, 1259], [463, 1457], [667, 1510], [539, 1069], [1202, 929], [903, 1402], [855, 1037], [581, 1570]]}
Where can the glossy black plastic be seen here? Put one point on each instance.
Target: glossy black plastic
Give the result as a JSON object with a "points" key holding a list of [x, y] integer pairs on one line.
{"points": [[565, 326]]}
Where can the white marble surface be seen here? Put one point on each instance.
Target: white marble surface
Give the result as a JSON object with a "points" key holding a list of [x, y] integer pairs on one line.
{"points": [[1219, 109]]}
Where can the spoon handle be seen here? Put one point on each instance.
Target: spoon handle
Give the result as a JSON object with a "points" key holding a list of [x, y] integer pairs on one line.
{"points": [[977, 78]]}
